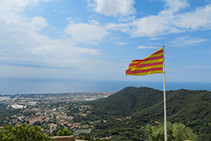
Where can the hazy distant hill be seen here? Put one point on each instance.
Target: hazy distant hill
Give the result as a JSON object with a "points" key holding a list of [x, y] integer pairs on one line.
{"points": [[145, 105]]}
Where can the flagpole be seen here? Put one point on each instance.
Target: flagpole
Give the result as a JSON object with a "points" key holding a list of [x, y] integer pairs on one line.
{"points": [[164, 99]]}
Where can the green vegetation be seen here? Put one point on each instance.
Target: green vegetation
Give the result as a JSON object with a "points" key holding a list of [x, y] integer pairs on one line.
{"points": [[145, 105], [22, 132], [7, 112], [86, 137], [64, 132], [176, 132], [121, 116]]}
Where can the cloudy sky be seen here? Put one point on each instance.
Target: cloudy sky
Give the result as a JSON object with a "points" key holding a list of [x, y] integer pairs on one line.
{"points": [[97, 39]]}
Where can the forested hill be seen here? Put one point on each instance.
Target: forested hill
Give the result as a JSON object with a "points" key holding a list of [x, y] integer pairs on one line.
{"points": [[127, 101], [145, 105]]}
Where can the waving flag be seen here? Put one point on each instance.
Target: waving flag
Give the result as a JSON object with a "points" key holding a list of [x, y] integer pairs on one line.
{"points": [[150, 65]]}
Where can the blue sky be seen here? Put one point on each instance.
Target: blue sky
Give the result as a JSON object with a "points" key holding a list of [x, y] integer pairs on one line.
{"points": [[97, 39]]}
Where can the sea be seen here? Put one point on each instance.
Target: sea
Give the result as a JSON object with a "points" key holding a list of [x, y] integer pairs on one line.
{"points": [[33, 86]]}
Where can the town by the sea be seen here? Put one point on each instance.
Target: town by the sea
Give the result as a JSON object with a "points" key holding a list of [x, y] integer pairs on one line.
{"points": [[28, 86], [59, 105]]}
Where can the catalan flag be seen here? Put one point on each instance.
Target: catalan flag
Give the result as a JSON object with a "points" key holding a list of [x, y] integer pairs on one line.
{"points": [[149, 65]]}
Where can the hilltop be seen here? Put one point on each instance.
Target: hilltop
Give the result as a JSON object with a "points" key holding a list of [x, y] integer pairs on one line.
{"points": [[145, 105]]}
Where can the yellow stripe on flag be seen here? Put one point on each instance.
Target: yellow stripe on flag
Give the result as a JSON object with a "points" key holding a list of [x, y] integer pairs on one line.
{"points": [[149, 65]]}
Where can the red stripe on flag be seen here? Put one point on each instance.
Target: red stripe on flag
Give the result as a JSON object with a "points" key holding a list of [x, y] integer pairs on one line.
{"points": [[147, 59], [146, 70], [149, 65], [157, 52]]}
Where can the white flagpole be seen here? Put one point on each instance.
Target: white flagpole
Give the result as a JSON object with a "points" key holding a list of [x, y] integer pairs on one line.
{"points": [[164, 99]]}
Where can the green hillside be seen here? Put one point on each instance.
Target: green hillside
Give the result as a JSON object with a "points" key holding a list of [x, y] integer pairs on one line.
{"points": [[145, 105], [127, 101]]}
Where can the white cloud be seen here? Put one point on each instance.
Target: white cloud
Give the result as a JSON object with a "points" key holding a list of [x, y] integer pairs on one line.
{"points": [[84, 32], [146, 47], [10, 15], [16, 6], [186, 40], [119, 27], [30, 54], [94, 22], [63, 53], [26, 46], [198, 19], [155, 38], [114, 7], [10, 10], [150, 26], [22, 44], [39, 22], [121, 43], [167, 21], [176, 5]]}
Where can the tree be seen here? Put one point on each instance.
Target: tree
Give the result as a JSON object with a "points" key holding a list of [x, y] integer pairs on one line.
{"points": [[22, 132], [175, 132], [64, 132], [60, 133], [38, 123]]}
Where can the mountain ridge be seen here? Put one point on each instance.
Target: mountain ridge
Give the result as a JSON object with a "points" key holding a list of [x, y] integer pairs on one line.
{"points": [[145, 105]]}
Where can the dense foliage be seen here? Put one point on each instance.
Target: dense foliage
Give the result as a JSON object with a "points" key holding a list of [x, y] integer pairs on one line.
{"points": [[125, 115], [176, 132], [145, 105], [22, 132], [64, 132]]}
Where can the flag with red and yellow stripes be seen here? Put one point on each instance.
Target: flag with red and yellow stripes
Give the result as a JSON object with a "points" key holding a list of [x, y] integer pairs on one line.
{"points": [[150, 65]]}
